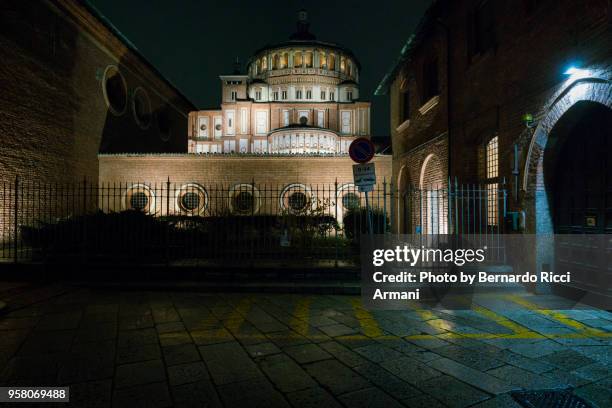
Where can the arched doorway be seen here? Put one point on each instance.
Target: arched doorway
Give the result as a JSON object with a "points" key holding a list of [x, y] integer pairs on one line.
{"points": [[579, 170], [432, 197], [578, 178]]}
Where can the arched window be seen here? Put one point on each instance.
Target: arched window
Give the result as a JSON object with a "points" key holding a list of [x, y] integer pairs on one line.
{"points": [[275, 61], [331, 63], [349, 68], [322, 60], [264, 63], [297, 59], [308, 59], [284, 60], [342, 64], [492, 181]]}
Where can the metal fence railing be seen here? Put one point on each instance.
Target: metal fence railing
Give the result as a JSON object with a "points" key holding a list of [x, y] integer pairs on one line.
{"points": [[186, 222], [476, 212], [237, 224]]}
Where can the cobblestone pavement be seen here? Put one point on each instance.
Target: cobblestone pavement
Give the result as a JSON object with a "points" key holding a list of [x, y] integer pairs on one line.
{"points": [[156, 349]]}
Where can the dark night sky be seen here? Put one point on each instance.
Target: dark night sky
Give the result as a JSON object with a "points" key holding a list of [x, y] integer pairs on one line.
{"points": [[193, 42]]}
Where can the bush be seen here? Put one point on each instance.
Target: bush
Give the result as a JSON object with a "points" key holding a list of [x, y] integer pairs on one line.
{"points": [[112, 235], [142, 237], [356, 222]]}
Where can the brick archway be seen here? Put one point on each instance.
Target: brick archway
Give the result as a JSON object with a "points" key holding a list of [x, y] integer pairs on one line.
{"points": [[537, 200], [588, 90]]}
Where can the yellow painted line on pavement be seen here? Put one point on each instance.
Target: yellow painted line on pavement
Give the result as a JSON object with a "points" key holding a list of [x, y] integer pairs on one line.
{"points": [[559, 317], [423, 313], [366, 320], [501, 320], [220, 335], [299, 321]]}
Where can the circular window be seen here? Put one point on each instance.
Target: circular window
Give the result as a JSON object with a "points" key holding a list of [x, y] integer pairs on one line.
{"points": [[298, 201], [244, 199], [139, 201], [115, 90], [139, 197], [218, 126], [296, 198], [191, 199], [141, 107], [202, 127], [350, 201], [303, 120]]}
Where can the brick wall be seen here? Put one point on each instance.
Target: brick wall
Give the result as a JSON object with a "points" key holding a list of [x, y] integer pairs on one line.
{"points": [[490, 92], [54, 119], [327, 178], [233, 169]]}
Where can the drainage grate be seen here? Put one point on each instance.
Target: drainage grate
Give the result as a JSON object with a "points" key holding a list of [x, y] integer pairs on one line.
{"points": [[549, 399]]}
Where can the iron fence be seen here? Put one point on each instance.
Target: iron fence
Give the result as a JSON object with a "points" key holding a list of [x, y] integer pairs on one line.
{"points": [[473, 212], [239, 224]]}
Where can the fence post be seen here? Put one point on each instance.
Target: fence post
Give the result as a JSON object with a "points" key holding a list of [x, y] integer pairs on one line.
{"points": [[84, 218], [168, 196], [253, 231], [166, 223], [392, 209], [456, 206], [449, 211], [385, 205], [336, 203], [15, 223]]}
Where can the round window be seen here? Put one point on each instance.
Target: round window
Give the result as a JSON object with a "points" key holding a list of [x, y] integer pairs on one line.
{"points": [[298, 201], [218, 126], [350, 201], [190, 201], [115, 90], [303, 120], [243, 201], [142, 108], [139, 201], [202, 127]]}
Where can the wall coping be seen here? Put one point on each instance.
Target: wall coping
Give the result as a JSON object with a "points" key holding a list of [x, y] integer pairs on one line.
{"points": [[235, 155]]}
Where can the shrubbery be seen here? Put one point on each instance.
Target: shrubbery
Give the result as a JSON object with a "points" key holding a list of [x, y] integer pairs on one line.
{"points": [[135, 235], [356, 222]]}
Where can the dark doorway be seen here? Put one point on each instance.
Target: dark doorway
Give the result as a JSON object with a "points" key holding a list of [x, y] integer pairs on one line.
{"points": [[579, 169], [582, 193]]}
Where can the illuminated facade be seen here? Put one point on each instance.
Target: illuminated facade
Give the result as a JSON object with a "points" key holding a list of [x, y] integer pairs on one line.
{"points": [[300, 96]]}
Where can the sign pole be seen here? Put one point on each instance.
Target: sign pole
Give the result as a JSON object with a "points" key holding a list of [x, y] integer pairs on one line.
{"points": [[369, 214]]}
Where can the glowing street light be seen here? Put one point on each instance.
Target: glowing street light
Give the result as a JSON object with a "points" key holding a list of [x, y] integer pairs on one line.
{"points": [[575, 72]]}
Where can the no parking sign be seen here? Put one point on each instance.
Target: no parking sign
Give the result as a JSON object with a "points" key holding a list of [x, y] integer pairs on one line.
{"points": [[361, 151]]}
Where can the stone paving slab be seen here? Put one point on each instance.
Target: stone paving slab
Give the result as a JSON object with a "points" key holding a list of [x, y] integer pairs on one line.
{"points": [[167, 349]]}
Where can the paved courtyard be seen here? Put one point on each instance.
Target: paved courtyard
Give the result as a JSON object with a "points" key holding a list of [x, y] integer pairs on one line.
{"points": [[163, 349]]}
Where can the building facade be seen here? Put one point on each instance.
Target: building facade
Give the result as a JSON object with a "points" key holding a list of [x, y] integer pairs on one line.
{"points": [[297, 96], [279, 141], [517, 101], [73, 86]]}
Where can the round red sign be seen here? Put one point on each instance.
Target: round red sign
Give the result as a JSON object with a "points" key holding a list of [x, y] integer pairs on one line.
{"points": [[361, 150]]}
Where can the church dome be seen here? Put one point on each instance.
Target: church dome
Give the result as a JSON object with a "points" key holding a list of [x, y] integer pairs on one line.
{"points": [[304, 55]]}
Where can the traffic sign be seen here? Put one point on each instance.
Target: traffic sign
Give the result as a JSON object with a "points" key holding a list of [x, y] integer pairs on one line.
{"points": [[361, 150], [364, 176]]}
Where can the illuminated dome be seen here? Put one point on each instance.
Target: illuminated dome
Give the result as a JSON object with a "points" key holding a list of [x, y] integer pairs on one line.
{"points": [[300, 96], [304, 61]]}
